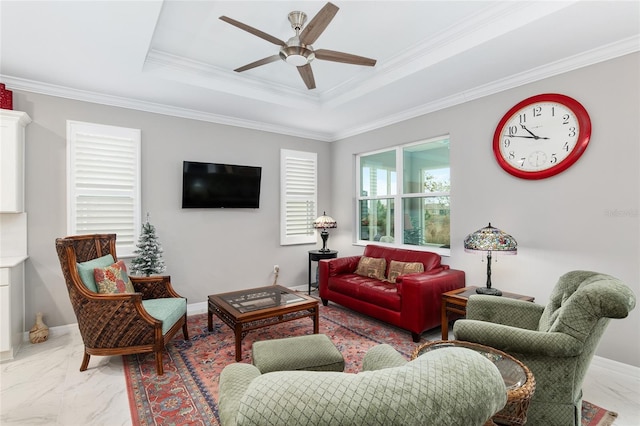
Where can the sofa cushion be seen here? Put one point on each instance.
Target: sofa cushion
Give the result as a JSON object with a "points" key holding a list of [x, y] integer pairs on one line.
{"points": [[113, 279], [371, 267], [347, 284], [380, 293], [401, 268], [85, 270], [430, 260]]}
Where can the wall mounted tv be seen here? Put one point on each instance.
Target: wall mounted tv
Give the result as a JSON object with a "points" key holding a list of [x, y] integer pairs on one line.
{"points": [[213, 185]]}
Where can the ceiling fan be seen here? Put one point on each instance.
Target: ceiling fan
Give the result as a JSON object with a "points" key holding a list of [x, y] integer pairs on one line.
{"points": [[298, 50]]}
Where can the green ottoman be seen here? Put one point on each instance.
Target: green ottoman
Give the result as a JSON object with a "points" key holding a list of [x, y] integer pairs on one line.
{"points": [[313, 352]]}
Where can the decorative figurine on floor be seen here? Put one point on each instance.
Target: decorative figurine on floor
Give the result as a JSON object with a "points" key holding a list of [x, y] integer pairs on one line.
{"points": [[39, 332]]}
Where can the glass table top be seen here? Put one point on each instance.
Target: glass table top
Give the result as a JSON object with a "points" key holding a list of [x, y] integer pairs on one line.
{"points": [[260, 298]]}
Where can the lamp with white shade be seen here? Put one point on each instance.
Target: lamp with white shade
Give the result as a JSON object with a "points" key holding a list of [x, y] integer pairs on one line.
{"points": [[324, 222]]}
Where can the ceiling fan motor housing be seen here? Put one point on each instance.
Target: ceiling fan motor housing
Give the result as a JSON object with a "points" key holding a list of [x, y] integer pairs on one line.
{"points": [[297, 20], [296, 53], [297, 50]]}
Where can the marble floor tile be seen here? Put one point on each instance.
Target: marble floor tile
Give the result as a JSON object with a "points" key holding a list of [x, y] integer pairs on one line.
{"points": [[43, 385], [615, 390]]}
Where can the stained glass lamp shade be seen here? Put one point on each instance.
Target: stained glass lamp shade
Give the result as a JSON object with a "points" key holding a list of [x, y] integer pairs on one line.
{"points": [[490, 239]]}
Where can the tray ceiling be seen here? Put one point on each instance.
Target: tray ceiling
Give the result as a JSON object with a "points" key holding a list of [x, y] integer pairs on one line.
{"points": [[178, 57]]}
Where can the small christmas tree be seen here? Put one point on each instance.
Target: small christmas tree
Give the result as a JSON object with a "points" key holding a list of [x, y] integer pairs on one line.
{"points": [[149, 252]]}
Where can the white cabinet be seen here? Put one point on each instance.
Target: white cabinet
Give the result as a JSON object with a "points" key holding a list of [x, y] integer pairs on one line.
{"points": [[11, 309], [13, 231], [12, 129]]}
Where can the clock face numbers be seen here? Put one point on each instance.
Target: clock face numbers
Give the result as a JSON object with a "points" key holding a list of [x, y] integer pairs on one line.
{"points": [[542, 136], [539, 136]]}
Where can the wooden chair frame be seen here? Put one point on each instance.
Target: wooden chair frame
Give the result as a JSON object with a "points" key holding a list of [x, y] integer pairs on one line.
{"points": [[114, 324]]}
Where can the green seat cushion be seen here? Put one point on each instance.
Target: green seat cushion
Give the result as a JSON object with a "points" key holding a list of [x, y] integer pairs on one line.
{"points": [[85, 270], [167, 310]]}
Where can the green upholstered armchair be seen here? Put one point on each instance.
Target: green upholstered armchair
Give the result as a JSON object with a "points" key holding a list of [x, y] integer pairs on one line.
{"points": [[556, 342], [447, 387]]}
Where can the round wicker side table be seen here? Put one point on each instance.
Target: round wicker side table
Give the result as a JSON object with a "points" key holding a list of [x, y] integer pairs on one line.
{"points": [[517, 378]]}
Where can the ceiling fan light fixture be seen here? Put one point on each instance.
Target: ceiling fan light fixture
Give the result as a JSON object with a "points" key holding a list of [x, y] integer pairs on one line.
{"points": [[298, 50], [297, 55]]}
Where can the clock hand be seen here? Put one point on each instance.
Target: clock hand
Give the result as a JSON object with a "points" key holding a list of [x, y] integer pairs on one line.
{"points": [[527, 137], [531, 133], [528, 131]]}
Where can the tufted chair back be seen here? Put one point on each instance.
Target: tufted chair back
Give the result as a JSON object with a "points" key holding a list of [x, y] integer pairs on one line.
{"points": [[557, 342], [577, 303]]}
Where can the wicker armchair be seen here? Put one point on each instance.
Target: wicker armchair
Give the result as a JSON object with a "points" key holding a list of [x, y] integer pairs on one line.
{"points": [[118, 324]]}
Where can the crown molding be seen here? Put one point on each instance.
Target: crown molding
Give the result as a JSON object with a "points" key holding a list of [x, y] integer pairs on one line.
{"points": [[491, 22], [18, 83], [608, 52], [605, 53], [199, 74]]}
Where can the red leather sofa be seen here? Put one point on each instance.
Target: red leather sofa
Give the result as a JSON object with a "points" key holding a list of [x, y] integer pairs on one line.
{"points": [[412, 302]]}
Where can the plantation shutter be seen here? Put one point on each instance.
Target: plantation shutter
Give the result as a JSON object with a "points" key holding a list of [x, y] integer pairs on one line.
{"points": [[298, 197], [103, 165]]}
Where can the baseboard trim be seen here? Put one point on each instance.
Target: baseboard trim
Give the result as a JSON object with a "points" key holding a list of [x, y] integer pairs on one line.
{"points": [[196, 308], [55, 331], [192, 309], [201, 308], [616, 366]]}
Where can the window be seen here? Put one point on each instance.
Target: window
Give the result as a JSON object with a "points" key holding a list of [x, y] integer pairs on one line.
{"points": [[403, 194], [103, 178], [298, 197]]}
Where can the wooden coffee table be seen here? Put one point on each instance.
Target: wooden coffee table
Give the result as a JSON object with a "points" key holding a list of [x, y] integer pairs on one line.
{"points": [[254, 308]]}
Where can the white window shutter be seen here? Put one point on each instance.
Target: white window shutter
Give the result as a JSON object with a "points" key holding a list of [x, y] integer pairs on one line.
{"points": [[298, 197], [103, 166]]}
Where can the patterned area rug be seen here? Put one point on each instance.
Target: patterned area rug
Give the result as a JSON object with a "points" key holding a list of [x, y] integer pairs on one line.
{"points": [[592, 415], [187, 393]]}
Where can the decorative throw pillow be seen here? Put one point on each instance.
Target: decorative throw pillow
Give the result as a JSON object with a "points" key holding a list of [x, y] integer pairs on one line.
{"points": [[85, 270], [371, 267], [113, 279], [401, 268]]}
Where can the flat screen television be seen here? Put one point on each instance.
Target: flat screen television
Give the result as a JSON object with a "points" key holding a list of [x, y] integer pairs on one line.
{"points": [[213, 185]]}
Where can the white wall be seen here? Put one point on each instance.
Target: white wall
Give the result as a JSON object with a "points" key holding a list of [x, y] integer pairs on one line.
{"points": [[585, 218], [206, 251]]}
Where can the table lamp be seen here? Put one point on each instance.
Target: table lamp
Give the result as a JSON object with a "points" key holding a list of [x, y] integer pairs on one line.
{"points": [[324, 222], [490, 239]]}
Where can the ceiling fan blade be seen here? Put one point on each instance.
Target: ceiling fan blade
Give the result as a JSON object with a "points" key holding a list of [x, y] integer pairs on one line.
{"points": [[262, 61], [318, 24], [253, 31], [347, 58], [307, 76]]}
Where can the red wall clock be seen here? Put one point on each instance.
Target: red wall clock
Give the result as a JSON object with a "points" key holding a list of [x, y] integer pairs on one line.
{"points": [[542, 136]]}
